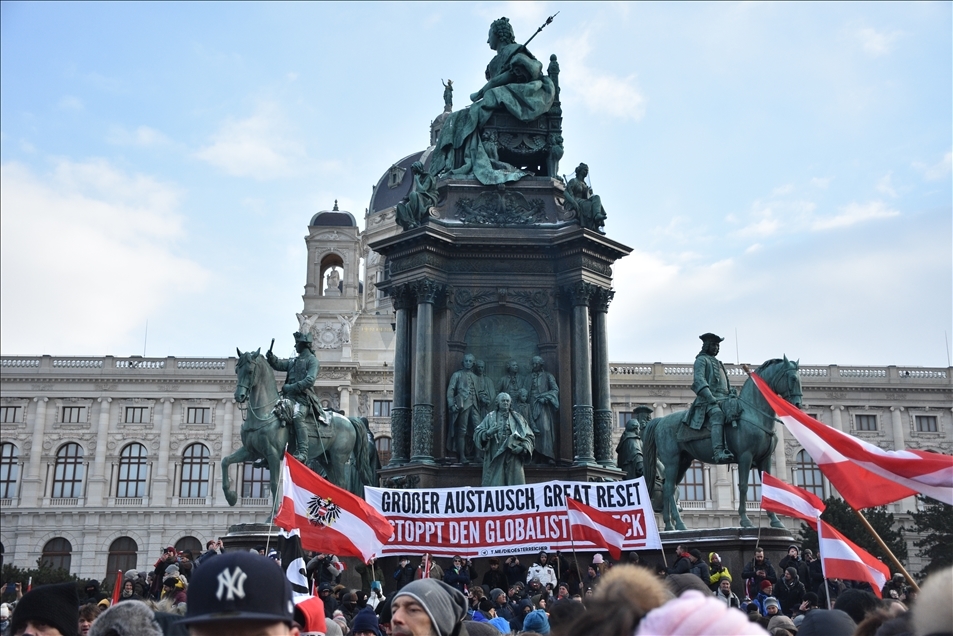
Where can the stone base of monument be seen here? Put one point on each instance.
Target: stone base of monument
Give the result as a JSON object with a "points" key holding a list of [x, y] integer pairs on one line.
{"points": [[735, 546], [458, 475], [248, 536]]}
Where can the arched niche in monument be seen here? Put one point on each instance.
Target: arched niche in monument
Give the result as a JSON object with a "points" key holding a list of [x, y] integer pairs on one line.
{"points": [[497, 334], [330, 262]]}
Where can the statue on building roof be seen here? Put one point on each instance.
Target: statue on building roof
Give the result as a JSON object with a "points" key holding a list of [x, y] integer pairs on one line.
{"points": [[447, 95], [515, 84]]}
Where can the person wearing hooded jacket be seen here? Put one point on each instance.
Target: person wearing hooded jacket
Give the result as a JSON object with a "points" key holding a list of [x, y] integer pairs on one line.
{"points": [[790, 591], [793, 559]]}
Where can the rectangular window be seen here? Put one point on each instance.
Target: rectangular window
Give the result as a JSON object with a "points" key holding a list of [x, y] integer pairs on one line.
{"points": [[74, 414], [692, 487], [9, 414], [199, 415], [624, 417], [382, 408], [927, 424], [136, 414], [865, 422]]}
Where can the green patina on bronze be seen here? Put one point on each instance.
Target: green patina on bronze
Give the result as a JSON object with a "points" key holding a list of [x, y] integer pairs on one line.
{"points": [[507, 442], [515, 82], [334, 446], [741, 428]]}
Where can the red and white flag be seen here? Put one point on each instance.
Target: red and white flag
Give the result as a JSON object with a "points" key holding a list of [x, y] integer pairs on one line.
{"points": [[864, 474], [788, 500], [596, 526], [841, 558], [330, 519]]}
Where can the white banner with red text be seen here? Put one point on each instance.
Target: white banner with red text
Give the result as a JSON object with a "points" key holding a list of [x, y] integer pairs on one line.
{"points": [[493, 521]]}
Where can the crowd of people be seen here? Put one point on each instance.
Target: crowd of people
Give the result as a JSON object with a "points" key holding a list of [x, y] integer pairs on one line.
{"points": [[249, 593]]}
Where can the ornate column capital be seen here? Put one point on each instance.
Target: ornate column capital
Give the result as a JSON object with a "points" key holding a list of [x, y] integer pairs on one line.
{"points": [[600, 299], [897, 409], [41, 399], [427, 290], [107, 400], [403, 296], [579, 293]]}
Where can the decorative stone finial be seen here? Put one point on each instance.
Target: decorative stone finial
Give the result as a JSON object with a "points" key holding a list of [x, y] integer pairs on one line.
{"points": [[335, 208]]}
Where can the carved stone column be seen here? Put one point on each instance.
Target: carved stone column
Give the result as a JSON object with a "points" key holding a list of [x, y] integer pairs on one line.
{"points": [[780, 469], [599, 306], [836, 417], [582, 416], [32, 490], [160, 487], [896, 419], [98, 480], [422, 428], [228, 424], [403, 300], [345, 399]]}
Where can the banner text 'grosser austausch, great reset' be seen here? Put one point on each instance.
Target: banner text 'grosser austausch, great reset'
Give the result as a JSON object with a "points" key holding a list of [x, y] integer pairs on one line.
{"points": [[477, 522]]}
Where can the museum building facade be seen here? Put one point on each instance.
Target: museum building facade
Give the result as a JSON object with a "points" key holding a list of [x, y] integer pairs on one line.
{"points": [[104, 461]]}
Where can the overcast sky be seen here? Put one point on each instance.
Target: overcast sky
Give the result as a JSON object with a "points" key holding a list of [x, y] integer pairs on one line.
{"points": [[781, 171]]}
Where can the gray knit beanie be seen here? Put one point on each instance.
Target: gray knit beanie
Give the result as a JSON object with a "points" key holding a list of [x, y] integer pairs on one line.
{"points": [[446, 606]]}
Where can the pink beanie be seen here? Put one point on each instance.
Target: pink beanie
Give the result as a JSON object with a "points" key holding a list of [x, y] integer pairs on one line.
{"points": [[693, 614]]}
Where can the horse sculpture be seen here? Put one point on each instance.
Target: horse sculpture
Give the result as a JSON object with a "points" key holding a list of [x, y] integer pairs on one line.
{"points": [[338, 452], [752, 440]]}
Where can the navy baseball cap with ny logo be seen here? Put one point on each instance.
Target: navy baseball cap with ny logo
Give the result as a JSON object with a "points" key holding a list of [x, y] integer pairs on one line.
{"points": [[239, 585]]}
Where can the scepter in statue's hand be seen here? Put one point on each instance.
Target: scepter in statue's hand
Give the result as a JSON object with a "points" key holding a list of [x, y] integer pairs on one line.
{"points": [[548, 21]]}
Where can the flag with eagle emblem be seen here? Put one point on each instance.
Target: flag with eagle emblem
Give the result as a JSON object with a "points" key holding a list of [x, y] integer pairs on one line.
{"points": [[329, 519]]}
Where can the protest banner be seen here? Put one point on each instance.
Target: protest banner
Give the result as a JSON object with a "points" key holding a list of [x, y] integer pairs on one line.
{"points": [[481, 522]]}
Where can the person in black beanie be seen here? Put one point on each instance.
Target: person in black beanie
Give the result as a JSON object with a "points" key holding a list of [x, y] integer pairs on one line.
{"points": [[48, 607]]}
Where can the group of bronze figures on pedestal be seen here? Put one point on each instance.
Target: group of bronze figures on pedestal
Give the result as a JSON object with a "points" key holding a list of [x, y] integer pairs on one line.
{"points": [[524, 406], [511, 130]]}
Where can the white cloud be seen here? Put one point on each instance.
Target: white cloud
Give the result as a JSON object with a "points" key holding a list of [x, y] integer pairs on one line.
{"points": [[787, 188], [885, 185], [600, 92], [754, 248], [821, 182], [260, 147], [854, 213], [141, 136], [87, 253], [770, 217], [292, 76], [876, 43], [940, 170], [70, 103]]}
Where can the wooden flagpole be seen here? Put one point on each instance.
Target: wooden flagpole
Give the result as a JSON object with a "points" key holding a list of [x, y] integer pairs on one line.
{"points": [[883, 546]]}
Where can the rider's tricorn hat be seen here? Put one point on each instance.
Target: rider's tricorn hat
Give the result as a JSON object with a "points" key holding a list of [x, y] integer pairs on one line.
{"points": [[641, 408], [303, 337], [710, 337]]}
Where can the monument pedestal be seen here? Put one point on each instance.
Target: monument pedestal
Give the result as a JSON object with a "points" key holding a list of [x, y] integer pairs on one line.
{"points": [[248, 536], [735, 546]]}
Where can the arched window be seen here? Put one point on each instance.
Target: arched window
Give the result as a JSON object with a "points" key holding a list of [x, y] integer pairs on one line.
{"points": [[692, 487], [189, 543], [383, 445], [195, 465], [68, 475], [9, 470], [58, 553], [256, 482], [132, 471], [123, 555], [807, 475]]}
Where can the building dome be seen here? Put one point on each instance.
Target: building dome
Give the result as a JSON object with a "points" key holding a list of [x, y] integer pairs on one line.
{"points": [[333, 218]]}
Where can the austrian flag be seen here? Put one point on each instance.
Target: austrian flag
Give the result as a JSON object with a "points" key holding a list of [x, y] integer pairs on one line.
{"points": [[330, 519], [596, 526], [864, 474], [843, 559], [788, 500]]}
